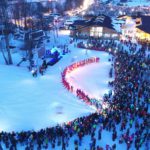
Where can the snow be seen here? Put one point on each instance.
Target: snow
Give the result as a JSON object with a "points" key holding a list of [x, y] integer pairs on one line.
{"points": [[130, 3], [33, 103], [138, 3], [96, 87], [117, 24]]}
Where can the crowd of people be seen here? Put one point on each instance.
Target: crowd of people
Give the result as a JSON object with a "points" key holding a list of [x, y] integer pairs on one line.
{"points": [[79, 92], [74, 66], [127, 117], [98, 45]]}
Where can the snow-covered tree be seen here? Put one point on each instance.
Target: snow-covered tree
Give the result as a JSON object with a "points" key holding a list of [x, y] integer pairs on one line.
{"points": [[6, 30]]}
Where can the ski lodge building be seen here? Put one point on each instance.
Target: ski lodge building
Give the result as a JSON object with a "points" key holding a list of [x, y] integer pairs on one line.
{"points": [[94, 26], [136, 27]]}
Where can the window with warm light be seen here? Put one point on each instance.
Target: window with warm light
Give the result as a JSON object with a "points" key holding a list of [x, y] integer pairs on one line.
{"points": [[107, 35], [114, 35], [96, 31]]}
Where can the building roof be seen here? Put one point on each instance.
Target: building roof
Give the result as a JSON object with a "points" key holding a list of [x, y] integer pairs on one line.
{"points": [[145, 24], [101, 20], [34, 35], [89, 16], [121, 16]]}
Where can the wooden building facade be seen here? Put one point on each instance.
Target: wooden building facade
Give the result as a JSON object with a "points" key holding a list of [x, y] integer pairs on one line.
{"points": [[96, 27]]}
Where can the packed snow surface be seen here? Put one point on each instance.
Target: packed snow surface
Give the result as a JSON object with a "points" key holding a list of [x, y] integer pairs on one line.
{"points": [[33, 103]]}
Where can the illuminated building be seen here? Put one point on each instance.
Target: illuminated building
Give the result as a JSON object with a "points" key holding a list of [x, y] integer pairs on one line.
{"points": [[96, 27], [143, 29], [136, 27]]}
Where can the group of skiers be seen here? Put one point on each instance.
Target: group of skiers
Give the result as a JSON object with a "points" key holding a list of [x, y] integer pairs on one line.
{"points": [[41, 69], [127, 118]]}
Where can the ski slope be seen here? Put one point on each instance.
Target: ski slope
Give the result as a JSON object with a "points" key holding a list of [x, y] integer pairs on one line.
{"points": [[29, 103]]}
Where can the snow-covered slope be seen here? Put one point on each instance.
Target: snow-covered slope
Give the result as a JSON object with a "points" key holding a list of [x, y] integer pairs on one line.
{"points": [[35, 103], [128, 2]]}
